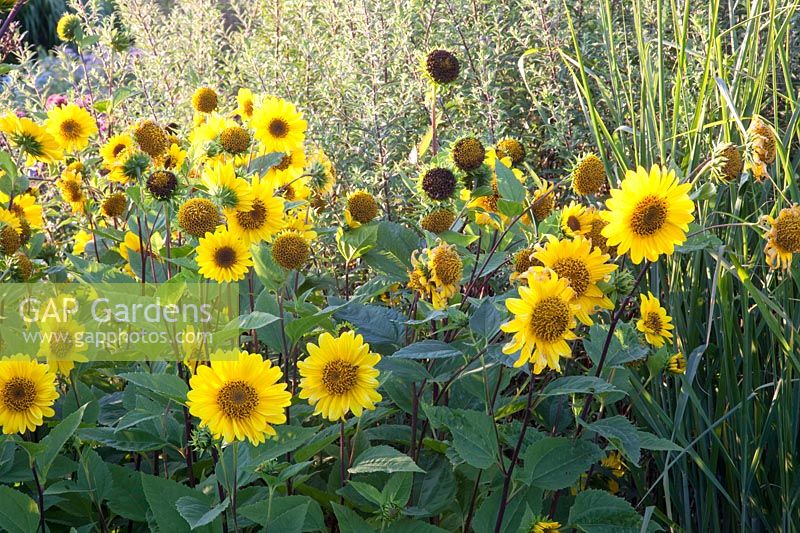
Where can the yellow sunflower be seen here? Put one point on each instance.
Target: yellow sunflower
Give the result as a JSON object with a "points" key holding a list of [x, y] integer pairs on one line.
{"points": [[24, 205], [79, 241], [71, 126], [279, 126], [655, 323], [546, 526], [301, 220], [113, 149], [649, 214], [575, 261], [33, 139], [339, 376], [289, 169], [173, 158], [10, 230], [575, 220], [71, 186], [62, 344], [222, 256], [27, 393], [783, 237], [209, 130], [229, 191], [544, 317], [263, 220], [676, 364], [239, 399]]}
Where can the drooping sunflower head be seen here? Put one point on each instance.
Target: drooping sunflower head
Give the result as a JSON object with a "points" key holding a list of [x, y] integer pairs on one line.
{"points": [[575, 220], [761, 138], [27, 393], [322, 171], [339, 376], [595, 233], [442, 67], [654, 321], [151, 137], [278, 126], [522, 261], [783, 237], [649, 214], [246, 104], [205, 100], [10, 229], [239, 399], [438, 220], [22, 267], [511, 148], [468, 153], [361, 207], [543, 322], [264, 219], [676, 364], [223, 257], [446, 265], [162, 184], [130, 166], [71, 126], [235, 140], [229, 191], [33, 139], [114, 205], [588, 175], [290, 249], [69, 28], [544, 201], [726, 163], [439, 183], [575, 261]]}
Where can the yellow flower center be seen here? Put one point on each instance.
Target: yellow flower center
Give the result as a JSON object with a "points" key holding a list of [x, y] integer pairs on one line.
{"points": [[278, 128], [362, 207], [237, 399], [284, 164], [253, 219], [18, 394], [575, 271], [73, 191], [550, 319], [339, 377], [71, 129], [649, 215], [652, 322], [787, 232], [225, 257], [447, 265]]}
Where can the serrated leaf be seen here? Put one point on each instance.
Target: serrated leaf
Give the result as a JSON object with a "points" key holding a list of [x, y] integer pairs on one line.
{"points": [[197, 513], [555, 463], [486, 319], [169, 386], [620, 432], [56, 439], [597, 511], [383, 458], [578, 385], [18, 513], [428, 349], [648, 441]]}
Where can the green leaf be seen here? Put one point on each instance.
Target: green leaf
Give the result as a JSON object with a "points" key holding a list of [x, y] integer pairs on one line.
{"points": [[162, 496], [261, 164], [398, 241], [383, 459], [648, 441], [169, 386], [624, 346], [508, 185], [597, 511], [94, 476], [256, 319], [129, 440], [486, 319], [619, 431], [18, 513], [284, 513], [408, 525], [286, 440], [197, 513], [126, 497], [578, 385], [56, 439], [350, 521], [474, 438], [429, 349], [555, 463]]}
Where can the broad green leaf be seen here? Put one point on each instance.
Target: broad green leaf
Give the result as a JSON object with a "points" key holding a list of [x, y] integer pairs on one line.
{"points": [[624, 346], [56, 439], [619, 431], [162, 496], [597, 511], [129, 440], [283, 512], [555, 463], [648, 441], [508, 185], [94, 476], [486, 319], [197, 512], [350, 521], [408, 525], [18, 513], [261, 164], [169, 386], [256, 319], [428, 349], [578, 385], [383, 458], [126, 497], [286, 440], [474, 438]]}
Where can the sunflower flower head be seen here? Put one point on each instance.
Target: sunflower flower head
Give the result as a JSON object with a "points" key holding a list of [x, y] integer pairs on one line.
{"points": [[438, 220], [239, 399], [339, 376], [151, 137], [361, 209], [279, 127], [543, 321], [783, 237], [655, 323], [760, 148], [468, 153], [726, 163], [575, 220], [69, 28], [511, 148], [71, 126], [114, 205], [34, 140], [649, 214], [265, 217], [442, 67], [10, 230], [205, 100], [230, 192], [291, 249], [27, 394], [162, 184], [438, 183], [198, 216], [223, 257], [588, 175], [676, 364]]}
